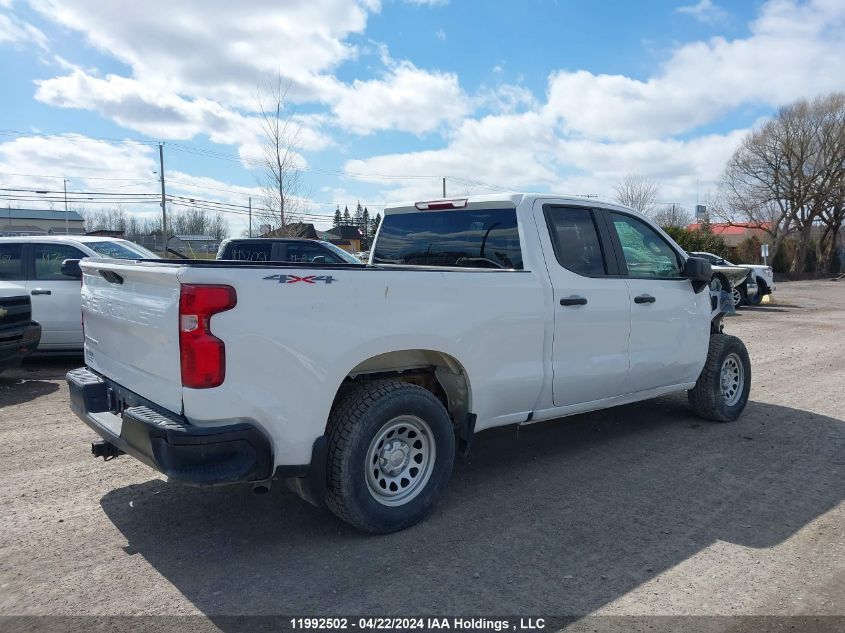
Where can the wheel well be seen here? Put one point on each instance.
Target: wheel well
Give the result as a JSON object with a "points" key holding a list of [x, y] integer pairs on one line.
{"points": [[726, 285], [762, 284], [439, 373]]}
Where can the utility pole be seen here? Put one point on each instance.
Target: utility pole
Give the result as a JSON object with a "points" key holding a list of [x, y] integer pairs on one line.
{"points": [[163, 209], [67, 230], [444, 186], [250, 216]]}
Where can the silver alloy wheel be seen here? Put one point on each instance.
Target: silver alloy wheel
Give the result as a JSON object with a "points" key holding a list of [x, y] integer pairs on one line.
{"points": [[732, 379], [737, 297], [400, 459]]}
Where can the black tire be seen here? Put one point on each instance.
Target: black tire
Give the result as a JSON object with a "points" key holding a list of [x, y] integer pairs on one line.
{"points": [[353, 426], [762, 289], [707, 397], [739, 295]]}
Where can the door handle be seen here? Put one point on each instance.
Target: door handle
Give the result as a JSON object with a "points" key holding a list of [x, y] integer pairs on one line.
{"points": [[573, 301], [644, 299], [39, 291]]}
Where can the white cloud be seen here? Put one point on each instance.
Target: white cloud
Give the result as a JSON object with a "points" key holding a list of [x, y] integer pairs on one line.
{"points": [[794, 49], [428, 3], [407, 98], [440, 34], [160, 115], [704, 11], [217, 49], [17, 32]]}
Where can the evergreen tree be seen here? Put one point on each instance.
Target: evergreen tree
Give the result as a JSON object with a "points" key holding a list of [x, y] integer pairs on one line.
{"points": [[365, 228], [375, 224], [347, 219], [358, 218], [337, 217]]}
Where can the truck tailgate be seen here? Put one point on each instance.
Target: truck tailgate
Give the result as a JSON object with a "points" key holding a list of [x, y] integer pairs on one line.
{"points": [[131, 316]]}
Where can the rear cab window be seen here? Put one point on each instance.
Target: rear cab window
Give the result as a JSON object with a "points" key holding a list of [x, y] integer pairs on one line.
{"points": [[11, 262], [465, 238]]}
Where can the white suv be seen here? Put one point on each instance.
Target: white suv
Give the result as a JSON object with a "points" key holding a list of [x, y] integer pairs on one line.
{"points": [[35, 262]]}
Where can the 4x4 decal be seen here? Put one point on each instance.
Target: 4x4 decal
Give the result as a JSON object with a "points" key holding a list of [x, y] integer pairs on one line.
{"points": [[309, 279]]}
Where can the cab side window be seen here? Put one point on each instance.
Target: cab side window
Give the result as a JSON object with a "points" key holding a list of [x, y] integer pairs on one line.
{"points": [[49, 258], [646, 253], [11, 262], [575, 240]]}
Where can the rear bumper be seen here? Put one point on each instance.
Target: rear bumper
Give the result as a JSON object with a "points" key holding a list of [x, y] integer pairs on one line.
{"points": [[15, 346], [164, 440]]}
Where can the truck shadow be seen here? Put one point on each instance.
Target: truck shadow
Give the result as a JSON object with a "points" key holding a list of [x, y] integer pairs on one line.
{"points": [[557, 519]]}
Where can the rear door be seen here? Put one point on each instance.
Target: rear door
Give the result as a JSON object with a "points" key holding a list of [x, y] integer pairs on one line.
{"points": [[592, 308], [55, 297], [670, 328]]}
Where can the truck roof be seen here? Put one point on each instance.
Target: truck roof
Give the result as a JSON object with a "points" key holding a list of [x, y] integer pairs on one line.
{"points": [[493, 200]]}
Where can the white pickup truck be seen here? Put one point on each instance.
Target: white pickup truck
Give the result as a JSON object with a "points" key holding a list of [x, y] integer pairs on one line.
{"points": [[357, 384]]}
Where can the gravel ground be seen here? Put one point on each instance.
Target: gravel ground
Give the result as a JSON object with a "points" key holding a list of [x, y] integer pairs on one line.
{"points": [[638, 510]]}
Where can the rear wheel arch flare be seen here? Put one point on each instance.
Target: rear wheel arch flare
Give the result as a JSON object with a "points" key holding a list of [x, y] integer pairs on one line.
{"points": [[436, 371]]}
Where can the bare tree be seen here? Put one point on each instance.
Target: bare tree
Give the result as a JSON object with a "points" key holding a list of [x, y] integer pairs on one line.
{"points": [[784, 176], [281, 181], [671, 215], [637, 192]]}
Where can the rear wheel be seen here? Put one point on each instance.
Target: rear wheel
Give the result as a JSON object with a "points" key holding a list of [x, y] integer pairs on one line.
{"points": [[391, 451], [761, 291], [722, 389]]}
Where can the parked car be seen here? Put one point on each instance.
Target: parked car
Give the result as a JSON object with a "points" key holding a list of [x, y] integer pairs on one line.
{"points": [[738, 281], [35, 262], [356, 384], [285, 249], [19, 334], [763, 275]]}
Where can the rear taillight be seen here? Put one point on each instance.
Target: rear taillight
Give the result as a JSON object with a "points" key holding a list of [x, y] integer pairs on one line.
{"points": [[202, 355]]}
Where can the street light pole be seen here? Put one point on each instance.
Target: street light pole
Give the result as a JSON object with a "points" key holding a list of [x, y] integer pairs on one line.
{"points": [[67, 229]]}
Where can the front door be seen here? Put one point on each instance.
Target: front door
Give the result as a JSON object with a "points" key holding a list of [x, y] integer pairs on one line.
{"points": [[56, 302], [670, 323], [591, 306]]}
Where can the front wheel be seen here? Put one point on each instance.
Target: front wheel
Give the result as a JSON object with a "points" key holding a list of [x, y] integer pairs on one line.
{"points": [[722, 389], [738, 294], [391, 451]]}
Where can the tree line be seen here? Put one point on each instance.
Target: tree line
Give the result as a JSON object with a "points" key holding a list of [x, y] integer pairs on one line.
{"points": [[786, 178], [180, 221], [360, 219]]}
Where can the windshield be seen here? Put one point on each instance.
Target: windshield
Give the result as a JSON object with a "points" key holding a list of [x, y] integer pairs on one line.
{"points": [[349, 258], [120, 250]]}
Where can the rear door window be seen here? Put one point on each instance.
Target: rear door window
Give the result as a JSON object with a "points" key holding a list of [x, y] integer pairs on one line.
{"points": [[11, 262], [469, 238], [576, 240], [250, 251]]}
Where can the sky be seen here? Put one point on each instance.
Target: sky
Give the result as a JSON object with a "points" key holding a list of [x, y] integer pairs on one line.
{"points": [[387, 97]]}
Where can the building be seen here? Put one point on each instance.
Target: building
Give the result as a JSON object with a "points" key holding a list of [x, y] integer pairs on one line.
{"points": [[736, 233], [347, 237], [40, 222]]}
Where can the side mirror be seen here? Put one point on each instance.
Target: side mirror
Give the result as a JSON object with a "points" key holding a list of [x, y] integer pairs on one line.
{"points": [[70, 268], [699, 271]]}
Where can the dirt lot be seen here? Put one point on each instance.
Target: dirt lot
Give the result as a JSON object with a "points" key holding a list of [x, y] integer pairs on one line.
{"points": [[642, 509]]}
